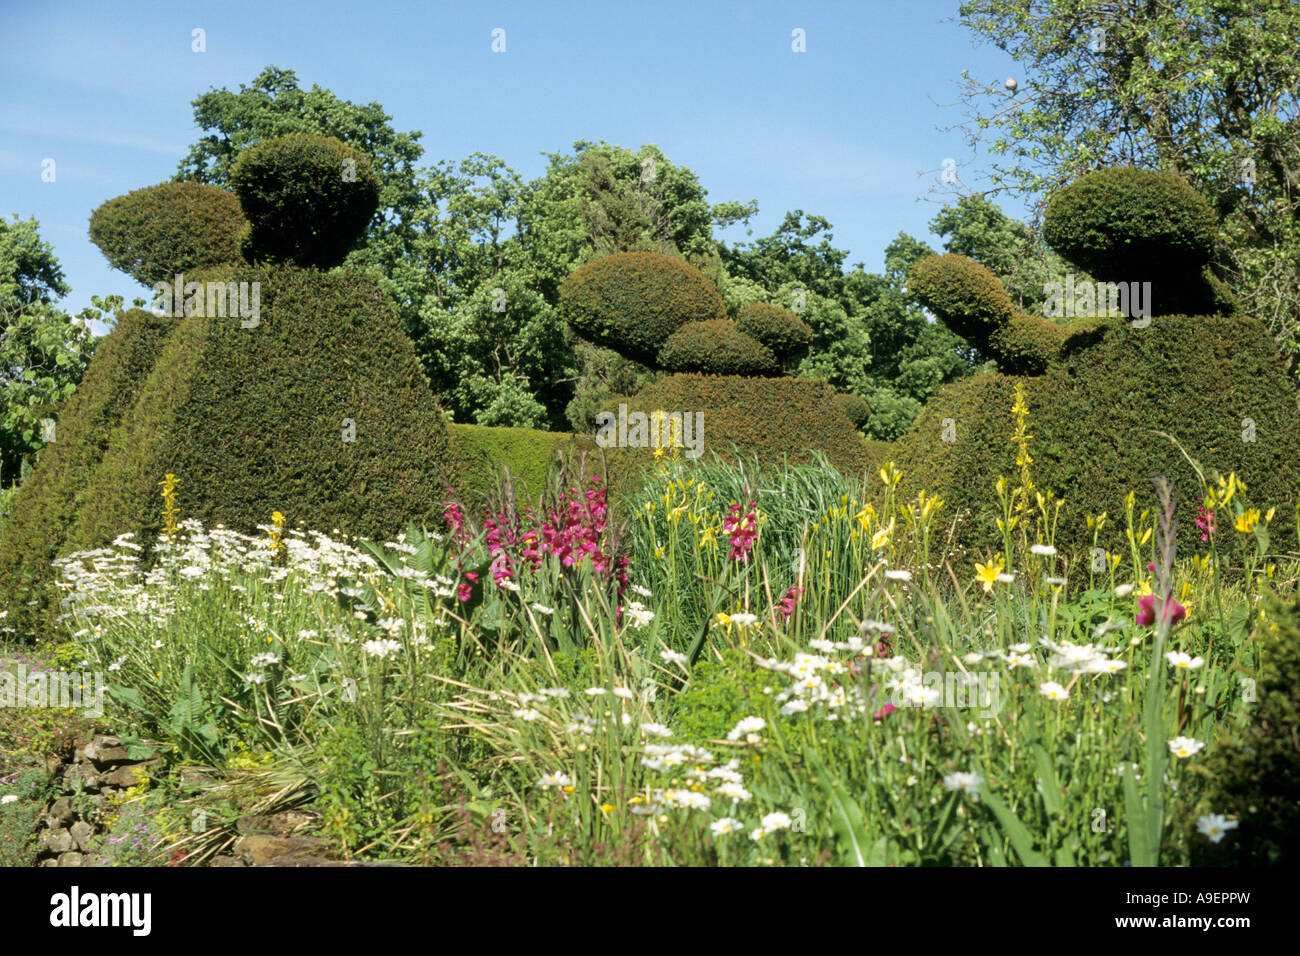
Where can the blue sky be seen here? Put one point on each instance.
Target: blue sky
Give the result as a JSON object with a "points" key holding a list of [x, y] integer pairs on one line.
{"points": [[843, 130]]}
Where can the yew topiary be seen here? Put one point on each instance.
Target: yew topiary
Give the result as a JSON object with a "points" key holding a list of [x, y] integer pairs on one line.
{"points": [[154, 233], [308, 199]]}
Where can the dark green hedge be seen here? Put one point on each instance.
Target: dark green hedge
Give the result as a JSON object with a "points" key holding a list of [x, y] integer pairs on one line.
{"points": [[480, 456], [151, 234], [632, 301], [1027, 344], [787, 335], [1092, 416], [60, 486], [252, 420], [776, 419], [963, 295], [307, 198], [1128, 224], [855, 407], [717, 347]]}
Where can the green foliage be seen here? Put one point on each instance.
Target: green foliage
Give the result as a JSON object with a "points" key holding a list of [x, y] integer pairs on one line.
{"points": [[1254, 769], [787, 335], [19, 819], [307, 198], [721, 692], [274, 105], [716, 347], [255, 420], [604, 199], [841, 349], [970, 300], [964, 295], [976, 228], [773, 419], [497, 357], [43, 350], [1027, 344], [1126, 224], [481, 457], [604, 374], [1127, 382], [911, 356], [1227, 130], [789, 257], [856, 407], [154, 233], [633, 301], [58, 489], [29, 270]]}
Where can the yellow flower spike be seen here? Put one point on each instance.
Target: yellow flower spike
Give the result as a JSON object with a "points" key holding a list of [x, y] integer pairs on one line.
{"points": [[1268, 516], [1146, 536], [1247, 520]]}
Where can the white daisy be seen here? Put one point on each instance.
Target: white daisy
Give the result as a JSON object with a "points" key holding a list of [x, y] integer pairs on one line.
{"points": [[1054, 690], [968, 783], [1185, 747], [1213, 825]]}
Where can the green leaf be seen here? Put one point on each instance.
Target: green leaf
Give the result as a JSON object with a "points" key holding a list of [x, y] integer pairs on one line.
{"points": [[126, 695], [1136, 815], [1015, 831], [1048, 784], [846, 818]]}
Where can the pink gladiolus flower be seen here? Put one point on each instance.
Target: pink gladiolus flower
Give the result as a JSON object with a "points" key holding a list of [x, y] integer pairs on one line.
{"points": [[743, 530], [1173, 611], [788, 602], [1205, 521]]}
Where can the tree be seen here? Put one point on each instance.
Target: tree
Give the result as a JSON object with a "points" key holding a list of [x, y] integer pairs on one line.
{"points": [[977, 228], [274, 105], [604, 199], [43, 350], [498, 357], [468, 228], [911, 354], [789, 256], [1204, 88]]}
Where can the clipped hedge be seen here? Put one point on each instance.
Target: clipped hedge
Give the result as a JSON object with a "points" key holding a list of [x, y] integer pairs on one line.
{"points": [[774, 418], [633, 301], [1128, 224], [717, 347], [1027, 344], [48, 503], [1194, 377], [963, 295], [855, 407], [307, 198], [257, 419], [480, 456], [153, 233], [787, 335]]}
